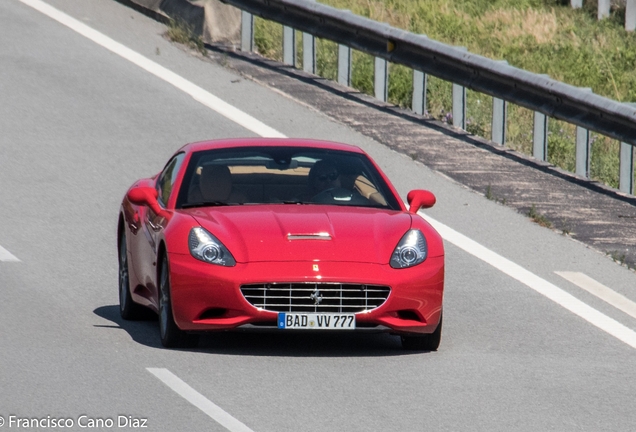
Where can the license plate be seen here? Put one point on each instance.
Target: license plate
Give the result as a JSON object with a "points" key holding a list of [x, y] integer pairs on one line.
{"points": [[316, 321]]}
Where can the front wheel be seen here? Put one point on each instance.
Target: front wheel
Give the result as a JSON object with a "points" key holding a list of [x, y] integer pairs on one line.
{"points": [[171, 335], [429, 342]]}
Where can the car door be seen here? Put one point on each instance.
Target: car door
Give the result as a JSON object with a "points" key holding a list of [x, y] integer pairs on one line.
{"points": [[152, 224]]}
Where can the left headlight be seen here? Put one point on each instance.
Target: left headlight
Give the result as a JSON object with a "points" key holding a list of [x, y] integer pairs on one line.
{"points": [[205, 247], [410, 251]]}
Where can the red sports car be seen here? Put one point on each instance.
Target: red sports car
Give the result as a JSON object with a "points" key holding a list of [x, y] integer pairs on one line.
{"points": [[279, 234]]}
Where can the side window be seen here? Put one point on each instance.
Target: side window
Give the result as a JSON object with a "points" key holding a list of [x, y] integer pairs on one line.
{"points": [[167, 178]]}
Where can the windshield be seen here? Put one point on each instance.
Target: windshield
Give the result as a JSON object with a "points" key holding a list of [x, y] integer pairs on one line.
{"points": [[283, 175]]}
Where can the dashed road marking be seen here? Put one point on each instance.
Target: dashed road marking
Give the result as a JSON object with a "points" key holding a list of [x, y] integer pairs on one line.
{"points": [[596, 288], [198, 400], [6, 256]]}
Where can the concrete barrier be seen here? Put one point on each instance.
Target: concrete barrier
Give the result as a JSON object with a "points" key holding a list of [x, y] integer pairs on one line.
{"points": [[222, 23], [214, 21]]}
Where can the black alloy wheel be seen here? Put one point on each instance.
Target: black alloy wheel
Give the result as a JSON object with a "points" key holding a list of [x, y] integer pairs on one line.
{"points": [[128, 309], [429, 342], [171, 335]]}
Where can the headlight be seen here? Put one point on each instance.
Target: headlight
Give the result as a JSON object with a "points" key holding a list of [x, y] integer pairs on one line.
{"points": [[410, 251], [205, 247]]}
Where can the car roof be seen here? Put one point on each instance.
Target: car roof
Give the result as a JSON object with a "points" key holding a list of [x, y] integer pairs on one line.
{"points": [[268, 142]]}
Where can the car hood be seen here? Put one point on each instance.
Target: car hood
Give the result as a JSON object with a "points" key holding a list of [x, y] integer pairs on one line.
{"points": [[305, 232]]}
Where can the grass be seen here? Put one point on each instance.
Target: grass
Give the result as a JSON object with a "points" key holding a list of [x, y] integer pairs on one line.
{"points": [[566, 230], [182, 33], [617, 256], [491, 196], [538, 218], [542, 36]]}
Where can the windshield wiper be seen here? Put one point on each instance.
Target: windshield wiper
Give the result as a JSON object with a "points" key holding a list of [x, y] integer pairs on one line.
{"points": [[204, 204]]}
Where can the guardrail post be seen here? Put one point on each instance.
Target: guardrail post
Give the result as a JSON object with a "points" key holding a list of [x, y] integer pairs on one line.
{"points": [[582, 152], [603, 9], [583, 149], [420, 82], [309, 53], [540, 136], [626, 167], [499, 119], [344, 65], [459, 106], [576, 4], [459, 102], [247, 31], [289, 46], [626, 176], [381, 79], [630, 15]]}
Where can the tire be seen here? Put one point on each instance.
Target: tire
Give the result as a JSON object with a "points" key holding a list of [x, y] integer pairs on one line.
{"points": [[171, 335], [429, 342], [128, 309]]}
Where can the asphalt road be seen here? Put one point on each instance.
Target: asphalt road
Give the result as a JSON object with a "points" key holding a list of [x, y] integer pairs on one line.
{"points": [[80, 123]]}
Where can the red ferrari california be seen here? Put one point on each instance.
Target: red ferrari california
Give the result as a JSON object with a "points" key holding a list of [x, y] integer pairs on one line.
{"points": [[279, 235]]}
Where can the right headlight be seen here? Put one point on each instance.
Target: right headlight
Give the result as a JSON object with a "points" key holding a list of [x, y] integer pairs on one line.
{"points": [[205, 247], [410, 251]]}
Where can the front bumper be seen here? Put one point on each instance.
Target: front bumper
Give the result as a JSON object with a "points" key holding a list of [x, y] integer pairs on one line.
{"points": [[207, 297]]}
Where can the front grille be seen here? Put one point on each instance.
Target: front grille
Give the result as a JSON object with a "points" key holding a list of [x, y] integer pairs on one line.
{"points": [[315, 297]]}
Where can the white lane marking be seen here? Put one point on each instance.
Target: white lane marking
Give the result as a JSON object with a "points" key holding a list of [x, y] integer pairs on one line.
{"points": [[198, 400], [596, 288], [506, 266], [6, 256], [209, 100], [538, 284]]}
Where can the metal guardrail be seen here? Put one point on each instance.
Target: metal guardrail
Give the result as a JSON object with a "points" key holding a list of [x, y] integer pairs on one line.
{"points": [[545, 96]]}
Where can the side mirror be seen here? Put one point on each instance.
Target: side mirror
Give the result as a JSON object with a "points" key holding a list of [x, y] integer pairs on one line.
{"points": [[420, 199], [145, 196], [142, 195]]}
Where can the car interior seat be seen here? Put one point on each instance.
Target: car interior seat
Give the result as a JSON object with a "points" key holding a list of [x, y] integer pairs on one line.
{"points": [[215, 184]]}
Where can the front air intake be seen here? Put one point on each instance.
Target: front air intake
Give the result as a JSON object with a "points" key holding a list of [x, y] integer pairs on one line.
{"points": [[315, 297]]}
